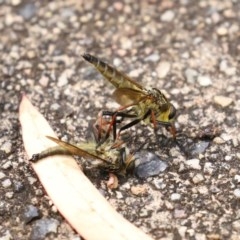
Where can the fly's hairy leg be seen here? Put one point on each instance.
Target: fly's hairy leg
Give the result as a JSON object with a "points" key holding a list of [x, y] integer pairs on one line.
{"points": [[115, 120]]}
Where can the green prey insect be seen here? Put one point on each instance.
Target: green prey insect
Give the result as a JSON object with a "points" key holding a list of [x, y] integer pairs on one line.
{"points": [[107, 155], [137, 102]]}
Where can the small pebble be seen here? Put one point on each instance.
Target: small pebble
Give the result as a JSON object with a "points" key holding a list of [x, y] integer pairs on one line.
{"points": [[208, 168], [43, 227], [214, 189], [76, 238], [200, 236], [183, 119], [118, 5], [28, 11], [63, 79], [175, 197], [228, 158], [2, 175], [204, 81], [6, 165], [226, 136], [222, 101], [200, 147], [198, 178], [237, 178], [229, 71], [167, 16], [236, 225], [54, 208], [44, 80], [203, 190], [9, 195], [152, 58], [18, 186], [32, 180], [148, 165], [222, 31], [159, 184], [191, 75], [30, 213], [218, 140], [139, 190], [144, 213], [179, 213], [67, 13], [182, 231], [168, 205], [6, 183], [236, 193], [6, 147], [214, 236], [163, 69], [193, 164], [15, 2], [5, 235], [31, 54], [117, 62], [126, 43], [55, 106]]}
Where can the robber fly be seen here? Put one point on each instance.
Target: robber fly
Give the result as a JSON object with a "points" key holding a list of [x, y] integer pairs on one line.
{"points": [[138, 103], [107, 155]]}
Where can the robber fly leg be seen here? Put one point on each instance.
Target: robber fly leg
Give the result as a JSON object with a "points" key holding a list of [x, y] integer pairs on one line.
{"points": [[115, 119], [118, 114], [134, 122], [172, 129]]}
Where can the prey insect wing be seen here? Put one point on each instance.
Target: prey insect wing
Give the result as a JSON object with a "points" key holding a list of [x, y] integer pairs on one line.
{"points": [[74, 149]]}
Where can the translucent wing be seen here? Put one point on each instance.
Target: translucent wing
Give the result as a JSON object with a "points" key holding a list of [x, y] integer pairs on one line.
{"points": [[115, 77], [128, 96], [74, 149]]}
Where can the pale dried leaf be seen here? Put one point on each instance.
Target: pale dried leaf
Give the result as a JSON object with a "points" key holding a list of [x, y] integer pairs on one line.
{"points": [[70, 190]]}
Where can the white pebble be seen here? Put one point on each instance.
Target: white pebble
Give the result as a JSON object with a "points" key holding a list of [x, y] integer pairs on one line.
{"points": [[237, 178], [221, 31], [15, 2], [6, 183], [190, 75], [9, 195], [63, 79], [7, 165], [175, 197], [6, 147], [32, 180], [222, 101], [204, 81], [203, 190], [208, 168], [198, 178], [193, 164], [236, 193], [44, 80], [167, 16], [163, 69], [228, 158], [225, 68], [2, 175]]}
